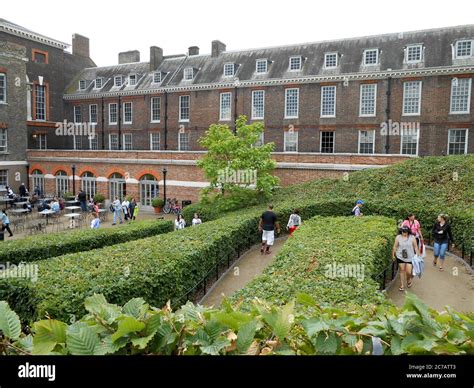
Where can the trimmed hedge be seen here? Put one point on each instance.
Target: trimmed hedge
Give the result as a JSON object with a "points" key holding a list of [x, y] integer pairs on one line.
{"points": [[310, 262], [45, 246], [157, 269]]}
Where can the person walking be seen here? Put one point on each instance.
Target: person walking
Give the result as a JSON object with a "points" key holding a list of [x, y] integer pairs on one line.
{"points": [[5, 221], [82, 198], [267, 226], [356, 210], [442, 236], [136, 209], [22, 190], [294, 221], [196, 220], [95, 223], [126, 208], [404, 249], [179, 223], [415, 228], [131, 208], [117, 206]]}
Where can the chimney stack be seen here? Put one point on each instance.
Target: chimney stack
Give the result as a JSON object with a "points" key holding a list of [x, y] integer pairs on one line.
{"points": [[193, 50], [80, 45], [156, 57], [217, 48], [129, 57]]}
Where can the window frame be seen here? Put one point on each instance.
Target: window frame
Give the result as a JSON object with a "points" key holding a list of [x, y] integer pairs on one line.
{"points": [[45, 90], [374, 114], [253, 116], [407, 53], [82, 81], [180, 106], [124, 142], [420, 93], [124, 112], [96, 114], [188, 140], [114, 135], [132, 76], [4, 88], [261, 60], [116, 113], [226, 65], [151, 141], [3, 175], [463, 56], [101, 83], [321, 142], [326, 87], [188, 71], [287, 116], [465, 144], [115, 81], [468, 111], [4, 139], [402, 135], [326, 57], [286, 140], [153, 78], [299, 58], [377, 59], [153, 110], [228, 109], [359, 142], [77, 113]]}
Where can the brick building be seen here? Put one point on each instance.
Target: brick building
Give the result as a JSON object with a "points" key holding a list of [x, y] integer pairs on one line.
{"points": [[329, 107], [34, 72]]}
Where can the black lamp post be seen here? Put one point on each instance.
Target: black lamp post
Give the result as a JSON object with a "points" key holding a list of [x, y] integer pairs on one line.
{"points": [[28, 177], [165, 170], [73, 167]]}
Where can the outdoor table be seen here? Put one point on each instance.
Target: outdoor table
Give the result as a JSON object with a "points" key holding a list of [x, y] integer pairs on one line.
{"points": [[72, 216], [47, 213], [19, 211], [16, 204], [72, 208]]}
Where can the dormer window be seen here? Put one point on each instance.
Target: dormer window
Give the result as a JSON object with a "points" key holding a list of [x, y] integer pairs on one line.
{"points": [[371, 57], [330, 60], [132, 80], [229, 70], [157, 77], [464, 48], [188, 74], [295, 63], [118, 80], [98, 83], [261, 66], [82, 84], [414, 53]]}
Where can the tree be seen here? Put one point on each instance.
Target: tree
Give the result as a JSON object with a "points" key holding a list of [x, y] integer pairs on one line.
{"points": [[234, 161]]}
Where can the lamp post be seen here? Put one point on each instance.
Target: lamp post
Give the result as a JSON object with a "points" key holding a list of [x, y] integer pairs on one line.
{"points": [[28, 177], [165, 170], [73, 167]]}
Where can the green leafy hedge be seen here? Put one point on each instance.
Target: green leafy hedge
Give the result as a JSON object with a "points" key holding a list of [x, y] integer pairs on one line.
{"points": [[157, 268], [315, 260], [136, 328], [42, 247]]}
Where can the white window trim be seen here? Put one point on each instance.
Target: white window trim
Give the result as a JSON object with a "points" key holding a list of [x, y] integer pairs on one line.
{"points": [[96, 113], [297, 143], [463, 56], [297, 103], [186, 71], [129, 79], [90, 142], [179, 140], [151, 110], [468, 99], [358, 142], [131, 112], [417, 142], [151, 140], [74, 113], [121, 81], [85, 84], [233, 69], [360, 102], [123, 141], [419, 100], [153, 78], [467, 139], [116, 113], [321, 143], [6, 140], [101, 84], [110, 141], [266, 66], [335, 102], [377, 57], [263, 115], [181, 120], [220, 106], [295, 57], [421, 53], [337, 60]]}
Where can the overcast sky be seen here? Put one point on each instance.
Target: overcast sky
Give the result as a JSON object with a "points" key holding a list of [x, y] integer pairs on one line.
{"points": [[120, 25]]}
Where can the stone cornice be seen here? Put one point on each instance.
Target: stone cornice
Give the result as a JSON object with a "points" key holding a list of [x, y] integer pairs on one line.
{"points": [[360, 76], [9, 29]]}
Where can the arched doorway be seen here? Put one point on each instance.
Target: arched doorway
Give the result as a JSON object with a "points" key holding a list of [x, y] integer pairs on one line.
{"points": [[148, 190], [38, 180], [62, 183], [117, 186], [89, 184]]}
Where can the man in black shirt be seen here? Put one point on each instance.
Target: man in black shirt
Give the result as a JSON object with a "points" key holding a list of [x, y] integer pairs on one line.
{"points": [[82, 198], [268, 224]]}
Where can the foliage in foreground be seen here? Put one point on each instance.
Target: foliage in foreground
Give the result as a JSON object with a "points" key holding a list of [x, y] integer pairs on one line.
{"points": [[303, 328]]}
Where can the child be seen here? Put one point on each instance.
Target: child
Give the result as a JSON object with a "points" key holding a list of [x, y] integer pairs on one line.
{"points": [[95, 223], [196, 220], [294, 221], [135, 211]]}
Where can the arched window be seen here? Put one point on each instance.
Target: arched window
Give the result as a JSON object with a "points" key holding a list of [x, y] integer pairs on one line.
{"points": [[117, 186], [148, 189], [38, 180], [62, 183], [89, 184]]}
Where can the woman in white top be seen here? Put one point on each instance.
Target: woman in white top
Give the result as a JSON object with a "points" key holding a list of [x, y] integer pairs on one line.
{"points": [[294, 222], [196, 220], [180, 223], [404, 249]]}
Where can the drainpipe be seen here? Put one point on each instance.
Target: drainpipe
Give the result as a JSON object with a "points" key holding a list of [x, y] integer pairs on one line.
{"points": [[387, 114], [166, 120], [103, 127], [119, 123], [235, 109]]}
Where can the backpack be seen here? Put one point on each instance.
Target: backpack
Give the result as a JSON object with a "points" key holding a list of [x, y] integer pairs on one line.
{"points": [[353, 212], [111, 208]]}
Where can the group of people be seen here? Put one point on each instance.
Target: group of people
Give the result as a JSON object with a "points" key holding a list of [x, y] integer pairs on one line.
{"points": [[180, 222], [125, 210]]}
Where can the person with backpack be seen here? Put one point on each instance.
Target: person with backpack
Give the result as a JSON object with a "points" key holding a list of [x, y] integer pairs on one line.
{"points": [[267, 226], [294, 221], [442, 236], [415, 227], [356, 210], [404, 250], [117, 206]]}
